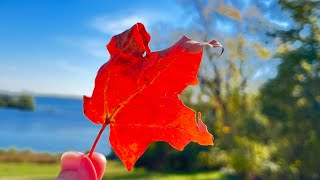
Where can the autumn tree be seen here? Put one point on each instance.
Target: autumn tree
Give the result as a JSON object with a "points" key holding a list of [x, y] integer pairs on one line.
{"points": [[227, 83], [291, 100], [225, 96]]}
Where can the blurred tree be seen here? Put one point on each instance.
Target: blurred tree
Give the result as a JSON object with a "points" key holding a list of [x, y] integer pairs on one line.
{"points": [[225, 86], [25, 102], [291, 100], [228, 107], [2, 103], [9, 101]]}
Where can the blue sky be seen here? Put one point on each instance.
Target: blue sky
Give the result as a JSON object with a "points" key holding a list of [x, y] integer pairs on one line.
{"points": [[57, 46]]}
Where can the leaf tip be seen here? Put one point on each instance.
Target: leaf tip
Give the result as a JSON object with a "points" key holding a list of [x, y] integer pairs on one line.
{"points": [[215, 43], [206, 137], [129, 168], [129, 165]]}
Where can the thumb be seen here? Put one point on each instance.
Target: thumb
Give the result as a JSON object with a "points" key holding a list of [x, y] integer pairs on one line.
{"points": [[75, 165], [70, 161], [99, 162]]}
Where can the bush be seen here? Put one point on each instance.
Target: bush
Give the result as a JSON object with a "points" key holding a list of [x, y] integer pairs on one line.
{"points": [[23, 102], [161, 156], [2, 103]]}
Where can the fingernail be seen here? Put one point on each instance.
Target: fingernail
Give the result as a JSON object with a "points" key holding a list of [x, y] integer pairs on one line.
{"points": [[87, 168], [71, 160]]}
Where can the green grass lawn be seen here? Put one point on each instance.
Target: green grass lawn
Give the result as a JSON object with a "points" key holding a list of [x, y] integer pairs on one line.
{"points": [[115, 170]]}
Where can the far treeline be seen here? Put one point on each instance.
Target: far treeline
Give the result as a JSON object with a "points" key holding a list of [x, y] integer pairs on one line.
{"points": [[23, 102]]}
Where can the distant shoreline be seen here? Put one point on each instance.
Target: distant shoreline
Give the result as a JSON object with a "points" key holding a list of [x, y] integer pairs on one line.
{"points": [[26, 149], [22, 101], [28, 155], [60, 96], [34, 94]]}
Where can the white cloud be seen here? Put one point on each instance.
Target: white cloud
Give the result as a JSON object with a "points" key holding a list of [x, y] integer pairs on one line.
{"points": [[72, 68], [93, 46], [282, 24], [261, 72], [115, 24], [110, 25]]}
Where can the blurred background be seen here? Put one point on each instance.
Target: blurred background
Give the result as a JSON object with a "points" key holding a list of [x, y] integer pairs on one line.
{"points": [[260, 99]]}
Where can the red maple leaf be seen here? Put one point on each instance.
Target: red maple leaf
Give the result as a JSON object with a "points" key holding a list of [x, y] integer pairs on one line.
{"points": [[137, 95]]}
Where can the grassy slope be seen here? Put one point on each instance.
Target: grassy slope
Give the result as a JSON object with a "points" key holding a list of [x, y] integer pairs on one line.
{"points": [[115, 170]]}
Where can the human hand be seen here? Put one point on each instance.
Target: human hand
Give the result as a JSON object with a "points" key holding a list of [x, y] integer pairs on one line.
{"points": [[76, 165]]}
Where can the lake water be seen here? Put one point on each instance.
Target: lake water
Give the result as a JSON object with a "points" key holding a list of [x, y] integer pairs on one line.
{"points": [[56, 125]]}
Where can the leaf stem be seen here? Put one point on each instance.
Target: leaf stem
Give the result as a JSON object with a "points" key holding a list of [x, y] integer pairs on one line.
{"points": [[97, 139]]}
